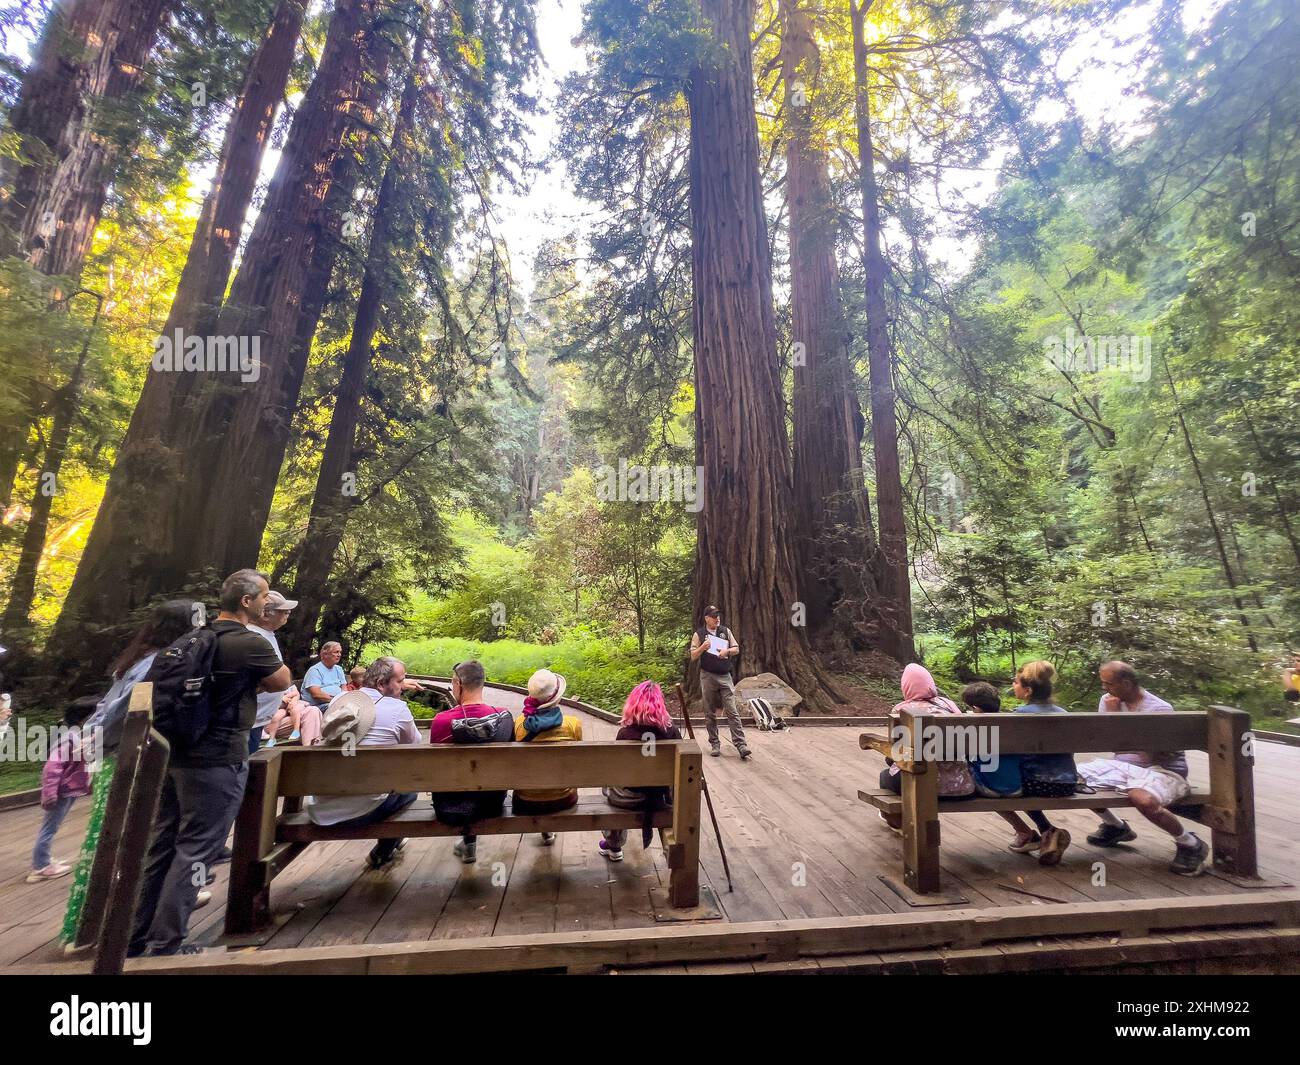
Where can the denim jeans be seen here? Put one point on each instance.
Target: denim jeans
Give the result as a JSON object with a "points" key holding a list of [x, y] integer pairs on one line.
{"points": [[396, 802], [50, 822]]}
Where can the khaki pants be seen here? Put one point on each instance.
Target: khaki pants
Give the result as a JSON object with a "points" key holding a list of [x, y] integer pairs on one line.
{"points": [[717, 689]]}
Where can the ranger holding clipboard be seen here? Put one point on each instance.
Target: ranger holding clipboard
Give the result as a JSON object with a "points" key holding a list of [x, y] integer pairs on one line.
{"points": [[713, 646]]}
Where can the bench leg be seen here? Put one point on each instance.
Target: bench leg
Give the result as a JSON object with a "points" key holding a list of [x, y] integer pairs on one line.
{"points": [[921, 829], [248, 901], [684, 877], [1232, 791]]}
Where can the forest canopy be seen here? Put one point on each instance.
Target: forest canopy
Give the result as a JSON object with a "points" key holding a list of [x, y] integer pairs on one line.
{"points": [[965, 332]]}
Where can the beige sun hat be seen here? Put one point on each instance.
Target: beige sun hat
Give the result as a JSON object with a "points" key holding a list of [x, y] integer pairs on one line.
{"points": [[351, 714], [547, 688]]}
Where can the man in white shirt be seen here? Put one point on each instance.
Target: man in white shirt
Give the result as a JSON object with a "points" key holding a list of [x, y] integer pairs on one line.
{"points": [[1153, 780], [273, 619], [393, 725]]}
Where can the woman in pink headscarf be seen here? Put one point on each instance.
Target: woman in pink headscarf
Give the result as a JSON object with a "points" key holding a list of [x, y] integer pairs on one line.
{"points": [[921, 696]]}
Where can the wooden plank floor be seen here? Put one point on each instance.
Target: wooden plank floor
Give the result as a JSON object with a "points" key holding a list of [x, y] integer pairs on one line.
{"points": [[799, 841]]}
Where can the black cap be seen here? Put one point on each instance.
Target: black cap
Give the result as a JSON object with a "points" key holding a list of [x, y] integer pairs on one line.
{"points": [[712, 612]]}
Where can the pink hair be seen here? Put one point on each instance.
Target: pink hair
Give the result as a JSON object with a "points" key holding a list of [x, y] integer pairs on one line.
{"points": [[645, 706]]}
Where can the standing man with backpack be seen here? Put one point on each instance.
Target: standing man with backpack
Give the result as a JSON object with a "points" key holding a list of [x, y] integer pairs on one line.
{"points": [[205, 701], [714, 647]]}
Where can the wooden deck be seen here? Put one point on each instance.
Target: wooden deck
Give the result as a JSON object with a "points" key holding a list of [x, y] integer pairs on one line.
{"points": [[800, 843]]}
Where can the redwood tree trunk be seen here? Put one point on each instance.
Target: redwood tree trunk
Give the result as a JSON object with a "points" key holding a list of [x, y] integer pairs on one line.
{"points": [[746, 556], [330, 505], [22, 589], [831, 508], [278, 295], [92, 53], [895, 586], [123, 564]]}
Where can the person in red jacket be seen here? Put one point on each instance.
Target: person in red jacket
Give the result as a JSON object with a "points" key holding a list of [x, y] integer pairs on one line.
{"points": [[64, 780]]}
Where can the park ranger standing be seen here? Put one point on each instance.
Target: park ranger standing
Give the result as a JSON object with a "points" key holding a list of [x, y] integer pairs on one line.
{"points": [[713, 646]]}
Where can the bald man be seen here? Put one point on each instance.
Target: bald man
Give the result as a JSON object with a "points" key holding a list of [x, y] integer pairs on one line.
{"points": [[1153, 780]]}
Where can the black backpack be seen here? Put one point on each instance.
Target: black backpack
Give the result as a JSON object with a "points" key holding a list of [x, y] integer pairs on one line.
{"points": [[466, 807], [182, 688]]}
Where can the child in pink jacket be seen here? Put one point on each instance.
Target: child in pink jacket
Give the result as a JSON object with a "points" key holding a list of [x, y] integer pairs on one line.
{"points": [[64, 779]]}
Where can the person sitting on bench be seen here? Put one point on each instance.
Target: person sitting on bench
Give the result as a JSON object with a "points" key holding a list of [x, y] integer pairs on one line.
{"points": [[544, 721], [921, 696], [1032, 685], [465, 807], [1153, 780], [325, 679], [371, 717], [645, 719]]}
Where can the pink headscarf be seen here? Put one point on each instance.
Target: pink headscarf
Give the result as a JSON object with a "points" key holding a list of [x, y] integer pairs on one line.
{"points": [[918, 687]]}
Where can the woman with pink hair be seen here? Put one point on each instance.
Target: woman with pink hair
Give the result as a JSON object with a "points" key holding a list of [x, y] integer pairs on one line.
{"points": [[921, 696], [645, 719]]}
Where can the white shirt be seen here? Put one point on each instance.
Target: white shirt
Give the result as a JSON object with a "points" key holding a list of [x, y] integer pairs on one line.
{"points": [[1174, 761], [393, 725], [267, 702]]}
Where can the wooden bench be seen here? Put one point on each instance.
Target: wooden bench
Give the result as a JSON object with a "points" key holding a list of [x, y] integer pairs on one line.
{"points": [[1228, 808], [268, 839]]}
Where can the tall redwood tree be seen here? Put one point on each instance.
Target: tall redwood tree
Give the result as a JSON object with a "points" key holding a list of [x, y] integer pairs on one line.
{"points": [[746, 555]]}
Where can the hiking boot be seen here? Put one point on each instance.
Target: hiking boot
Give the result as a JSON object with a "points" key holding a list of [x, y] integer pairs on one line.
{"points": [[745, 753], [1053, 847], [716, 750], [202, 899], [548, 839], [1108, 835], [1190, 860], [1026, 844], [614, 854], [51, 872], [466, 852]]}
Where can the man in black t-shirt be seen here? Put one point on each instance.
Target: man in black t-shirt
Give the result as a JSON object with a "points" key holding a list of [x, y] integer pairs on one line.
{"points": [[714, 647], [204, 783]]}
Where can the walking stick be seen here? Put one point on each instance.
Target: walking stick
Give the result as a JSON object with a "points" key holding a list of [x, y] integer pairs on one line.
{"points": [[704, 786]]}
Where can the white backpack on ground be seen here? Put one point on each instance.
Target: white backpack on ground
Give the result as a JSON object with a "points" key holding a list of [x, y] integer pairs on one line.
{"points": [[767, 719]]}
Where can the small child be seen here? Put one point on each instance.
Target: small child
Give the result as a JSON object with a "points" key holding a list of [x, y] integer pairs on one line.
{"points": [[291, 706], [355, 679], [644, 714], [65, 778]]}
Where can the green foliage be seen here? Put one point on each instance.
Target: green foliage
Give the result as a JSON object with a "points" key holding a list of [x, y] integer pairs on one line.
{"points": [[600, 671]]}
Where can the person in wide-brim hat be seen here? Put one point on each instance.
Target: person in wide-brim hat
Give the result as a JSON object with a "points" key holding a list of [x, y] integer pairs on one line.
{"points": [[546, 689], [351, 714]]}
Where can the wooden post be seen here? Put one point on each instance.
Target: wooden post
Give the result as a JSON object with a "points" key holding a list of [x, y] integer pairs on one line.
{"points": [[142, 814], [684, 880], [248, 902], [1232, 791], [920, 792]]}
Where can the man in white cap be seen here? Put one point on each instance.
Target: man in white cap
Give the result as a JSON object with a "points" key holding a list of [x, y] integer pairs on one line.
{"points": [[274, 617], [544, 721]]}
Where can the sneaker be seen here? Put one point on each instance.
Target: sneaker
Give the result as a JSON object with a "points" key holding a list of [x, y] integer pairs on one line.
{"points": [[548, 839], [1025, 844], [745, 753], [889, 824], [614, 854], [295, 735], [202, 899], [1191, 860], [269, 744], [1054, 847], [51, 872], [716, 752], [466, 852], [1108, 835], [376, 860]]}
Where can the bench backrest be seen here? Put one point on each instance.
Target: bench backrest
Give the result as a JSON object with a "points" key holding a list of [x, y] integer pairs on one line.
{"points": [[478, 767], [1070, 733]]}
